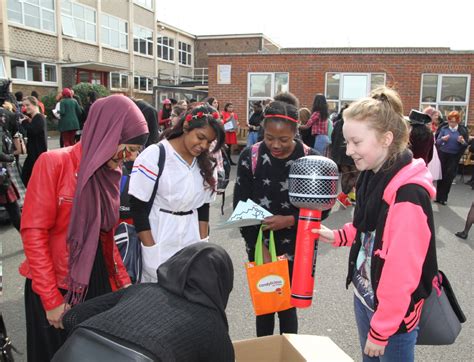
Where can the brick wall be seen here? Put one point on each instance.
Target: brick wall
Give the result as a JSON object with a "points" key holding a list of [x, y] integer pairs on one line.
{"points": [[307, 74], [235, 45], [114, 57], [32, 45], [75, 51]]}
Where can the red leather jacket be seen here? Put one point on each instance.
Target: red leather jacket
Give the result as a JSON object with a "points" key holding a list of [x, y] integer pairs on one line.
{"points": [[44, 226]]}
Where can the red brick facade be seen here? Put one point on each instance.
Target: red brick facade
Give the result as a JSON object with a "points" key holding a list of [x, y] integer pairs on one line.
{"points": [[307, 73]]}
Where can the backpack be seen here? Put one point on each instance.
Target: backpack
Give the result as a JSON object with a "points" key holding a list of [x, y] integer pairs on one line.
{"points": [[223, 175], [125, 235], [255, 150]]}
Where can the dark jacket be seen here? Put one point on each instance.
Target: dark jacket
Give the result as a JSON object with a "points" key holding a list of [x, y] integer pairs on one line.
{"points": [[36, 144], [338, 149], [180, 319], [71, 113]]}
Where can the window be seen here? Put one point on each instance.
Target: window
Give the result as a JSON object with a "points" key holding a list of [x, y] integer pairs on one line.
{"points": [[142, 40], [3, 73], [118, 81], [78, 21], [262, 86], [114, 32], [165, 48], [184, 53], [143, 84], [347, 87], [145, 3], [446, 92], [33, 13], [31, 71]]}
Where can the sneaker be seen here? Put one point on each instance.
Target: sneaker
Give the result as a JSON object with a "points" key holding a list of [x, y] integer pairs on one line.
{"points": [[343, 200], [461, 234]]}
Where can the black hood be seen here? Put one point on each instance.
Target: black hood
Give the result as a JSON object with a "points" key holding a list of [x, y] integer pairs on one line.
{"points": [[202, 273]]}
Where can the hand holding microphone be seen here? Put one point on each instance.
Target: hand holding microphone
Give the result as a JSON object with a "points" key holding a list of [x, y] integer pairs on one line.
{"points": [[325, 234], [313, 189]]}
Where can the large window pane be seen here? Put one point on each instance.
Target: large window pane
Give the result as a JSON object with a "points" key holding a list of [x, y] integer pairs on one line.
{"points": [[354, 87], [429, 88], [124, 78], [34, 71], [50, 73], [2, 68], [48, 20], [453, 89], [281, 82], [18, 69], [260, 85], [376, 80], [332, 85], [14, 11], [48, 4]]}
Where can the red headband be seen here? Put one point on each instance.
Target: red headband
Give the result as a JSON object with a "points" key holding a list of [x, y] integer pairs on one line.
{"points": [[281, 116]]}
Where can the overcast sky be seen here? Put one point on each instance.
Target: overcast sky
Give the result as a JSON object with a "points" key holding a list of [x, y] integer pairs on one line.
{"points": [[330, 23]]}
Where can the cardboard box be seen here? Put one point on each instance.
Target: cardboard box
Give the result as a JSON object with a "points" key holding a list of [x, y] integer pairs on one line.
{"points": [[288, 348]]}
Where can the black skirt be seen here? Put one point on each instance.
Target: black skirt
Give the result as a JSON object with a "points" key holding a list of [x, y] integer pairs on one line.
{"points": [[42, 339]]}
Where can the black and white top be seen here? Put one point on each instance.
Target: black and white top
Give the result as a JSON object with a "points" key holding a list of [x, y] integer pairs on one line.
{"points": [[268, 187]]}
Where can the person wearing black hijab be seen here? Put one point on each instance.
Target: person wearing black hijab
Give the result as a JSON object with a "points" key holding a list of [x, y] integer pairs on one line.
{"points": [[180, 318]]}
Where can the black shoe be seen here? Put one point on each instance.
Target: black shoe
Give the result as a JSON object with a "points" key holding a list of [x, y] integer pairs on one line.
{"points": [[461, 234], [441, 202]]}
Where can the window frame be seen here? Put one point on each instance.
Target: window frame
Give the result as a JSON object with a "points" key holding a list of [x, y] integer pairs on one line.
{"points": [[121, 76], [3, 69], [73, 19], [41, 9], [170, 49], [340, 100], [273, 86], [150, 44], [188, 54], [109, 29], [143, 4], [438, 103], [147, 79], [25, 68]]}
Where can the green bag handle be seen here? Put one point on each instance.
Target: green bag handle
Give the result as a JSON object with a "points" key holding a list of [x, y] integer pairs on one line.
{"points": [[259, 247]]}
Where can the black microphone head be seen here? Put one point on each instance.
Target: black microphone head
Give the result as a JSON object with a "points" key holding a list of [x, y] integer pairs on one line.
{"points": [[312, 183]]}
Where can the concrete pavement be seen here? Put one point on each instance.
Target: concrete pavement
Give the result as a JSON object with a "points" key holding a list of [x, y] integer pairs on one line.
{"points": [[331, 313]]}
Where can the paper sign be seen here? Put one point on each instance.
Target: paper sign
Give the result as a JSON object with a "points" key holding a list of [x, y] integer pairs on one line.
{"points": [[246, 213]]}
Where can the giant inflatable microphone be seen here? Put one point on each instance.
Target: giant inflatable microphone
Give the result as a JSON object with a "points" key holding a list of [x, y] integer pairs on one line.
{"points": [[312, 188]]}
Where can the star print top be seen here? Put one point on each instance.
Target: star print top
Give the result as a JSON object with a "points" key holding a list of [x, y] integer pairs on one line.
{"points": [[268, 187]]}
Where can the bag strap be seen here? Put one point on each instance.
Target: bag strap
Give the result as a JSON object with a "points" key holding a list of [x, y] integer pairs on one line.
{"points": [[161, 164], [259, 247], [254, 155]]}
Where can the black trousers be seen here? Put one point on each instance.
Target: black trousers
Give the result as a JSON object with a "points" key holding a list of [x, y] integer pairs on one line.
{"points": [[14, 213], [43, 340], [449, 167], [288, 319]]}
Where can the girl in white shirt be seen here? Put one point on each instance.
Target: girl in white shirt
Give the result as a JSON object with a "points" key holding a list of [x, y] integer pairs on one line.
{"points": [[179, 213]]}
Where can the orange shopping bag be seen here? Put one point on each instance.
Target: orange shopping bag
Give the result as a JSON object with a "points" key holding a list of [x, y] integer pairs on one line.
{"points": [[269, 283]]}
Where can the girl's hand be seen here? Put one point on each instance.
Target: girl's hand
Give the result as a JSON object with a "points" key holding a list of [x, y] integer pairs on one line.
{"points": [[445, 138], [278, 222], [55, 316], [373, 350], [326, 235]]}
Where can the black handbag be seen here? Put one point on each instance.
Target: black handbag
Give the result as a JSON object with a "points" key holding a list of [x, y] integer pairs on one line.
{"points": [[441, 316], [6, 346]]}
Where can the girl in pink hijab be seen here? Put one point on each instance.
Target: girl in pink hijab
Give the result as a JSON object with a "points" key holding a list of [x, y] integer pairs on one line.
{"points": [[70, 209]]}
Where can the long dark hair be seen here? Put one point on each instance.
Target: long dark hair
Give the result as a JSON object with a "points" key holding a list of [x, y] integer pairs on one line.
{"points": [[200, 116], [320, 105], [167, 108], [420, 132]]}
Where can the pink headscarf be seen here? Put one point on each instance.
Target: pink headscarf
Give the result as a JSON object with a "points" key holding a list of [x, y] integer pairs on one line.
{"points": [[67, 93], [112, 121]]}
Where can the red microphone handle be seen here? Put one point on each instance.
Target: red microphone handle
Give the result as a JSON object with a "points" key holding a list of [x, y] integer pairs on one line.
{"points": [[302, 284]]}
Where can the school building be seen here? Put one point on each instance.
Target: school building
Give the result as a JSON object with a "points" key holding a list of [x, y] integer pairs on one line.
{"points": [[51, 44]]}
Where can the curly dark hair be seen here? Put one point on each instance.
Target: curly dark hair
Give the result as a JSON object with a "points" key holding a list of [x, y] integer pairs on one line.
{"points": [[206, 162]]}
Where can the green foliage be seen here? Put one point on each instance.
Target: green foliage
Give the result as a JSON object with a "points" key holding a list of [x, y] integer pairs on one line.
{"points": [[49, 102], [83, 89]]}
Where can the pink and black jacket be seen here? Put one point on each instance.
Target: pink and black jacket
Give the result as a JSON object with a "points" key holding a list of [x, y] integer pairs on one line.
{"points": [[404, 253]]}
